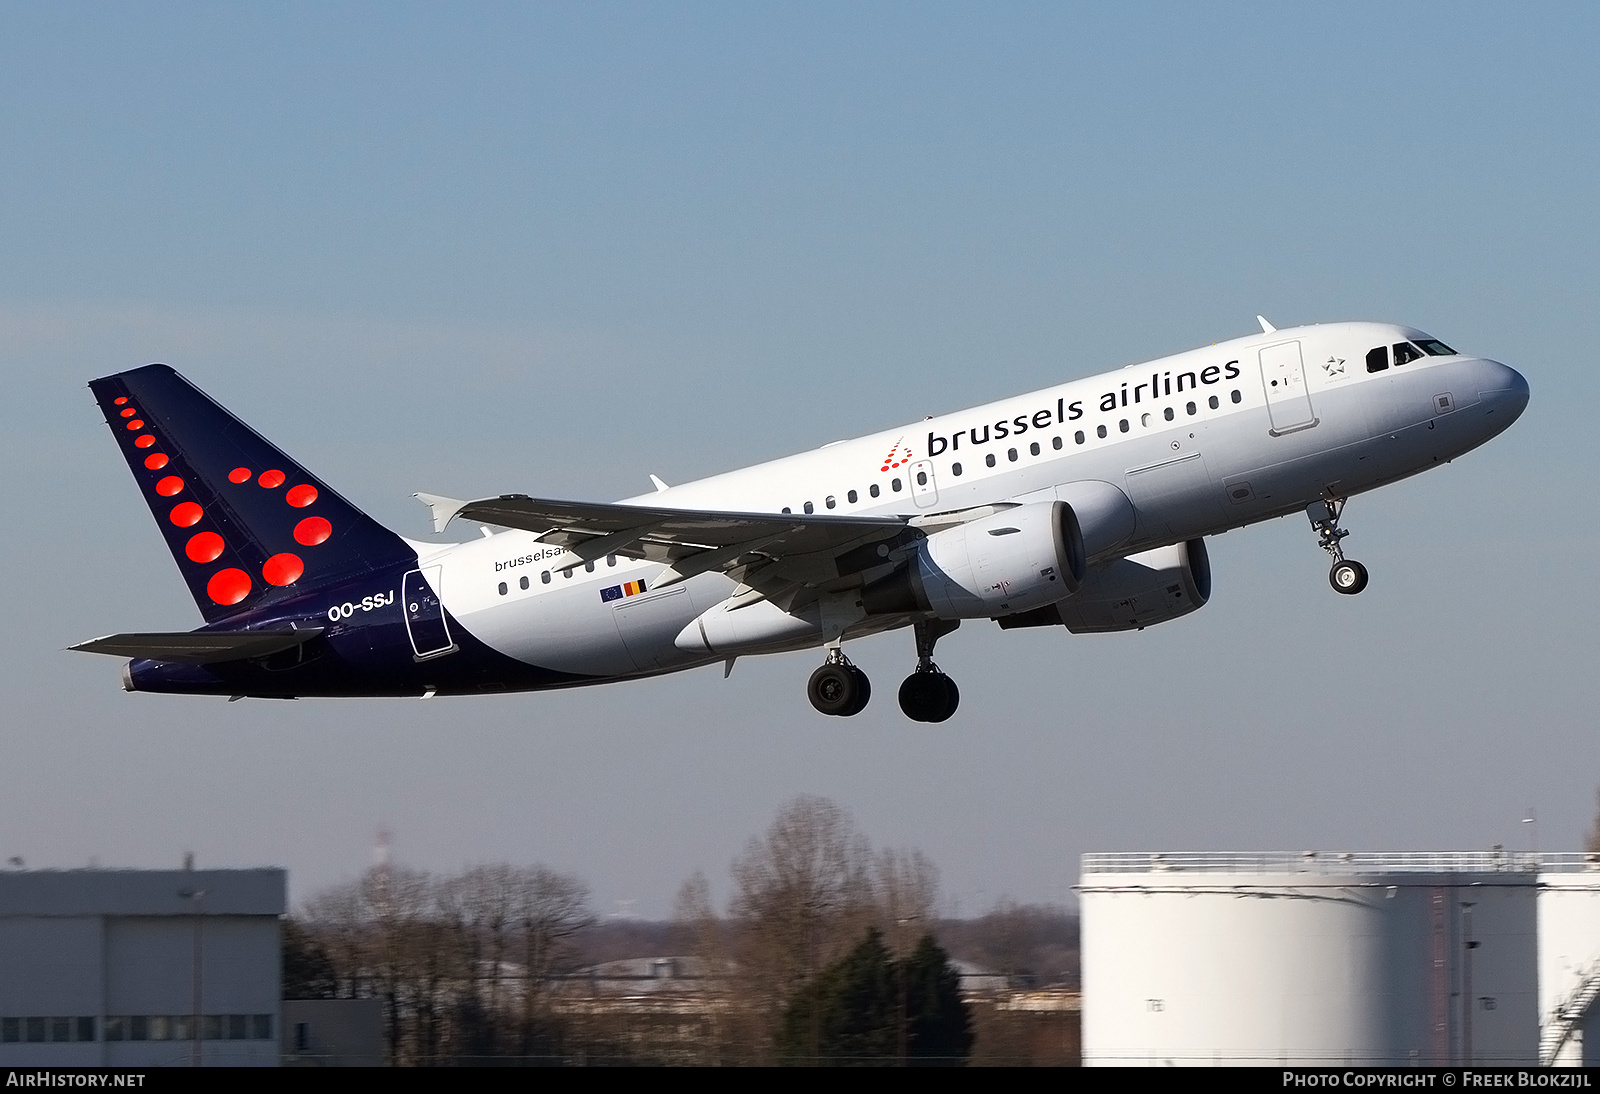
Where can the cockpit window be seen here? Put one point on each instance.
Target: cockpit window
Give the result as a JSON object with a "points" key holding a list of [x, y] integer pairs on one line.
{"points": [[1405, 353], [1435, 348], [1378, 359]]}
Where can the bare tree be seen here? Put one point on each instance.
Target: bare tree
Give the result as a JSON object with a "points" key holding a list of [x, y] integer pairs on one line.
{"points": [[801, 895], [547, 909], [906, 889], [439, 952]]}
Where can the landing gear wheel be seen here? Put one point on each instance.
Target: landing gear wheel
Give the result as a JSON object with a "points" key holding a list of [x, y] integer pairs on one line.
{"points": [[929, 696], [1348, 577], [863, 693], [839, 689]]}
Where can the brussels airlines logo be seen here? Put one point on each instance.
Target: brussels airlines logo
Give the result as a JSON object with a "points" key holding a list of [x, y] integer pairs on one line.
{"points": [[899, 454], [1160, 386]]}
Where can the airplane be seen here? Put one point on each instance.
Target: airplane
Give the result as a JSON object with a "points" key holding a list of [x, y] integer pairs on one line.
{"points": [[1084, 506]]}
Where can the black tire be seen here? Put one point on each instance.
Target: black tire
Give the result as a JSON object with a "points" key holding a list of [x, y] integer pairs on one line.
{"points": [[951, 701], [863, 694], [835, 689], [929, 696], [1348, 577]]}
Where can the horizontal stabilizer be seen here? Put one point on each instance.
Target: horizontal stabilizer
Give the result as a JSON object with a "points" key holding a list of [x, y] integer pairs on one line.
{"points": [[198, 647]]}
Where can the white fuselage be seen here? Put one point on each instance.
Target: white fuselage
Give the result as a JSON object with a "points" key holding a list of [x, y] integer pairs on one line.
{"points": [[1200, 442]]}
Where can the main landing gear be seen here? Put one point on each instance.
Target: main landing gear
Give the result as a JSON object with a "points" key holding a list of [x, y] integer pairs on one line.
{"points": [[928, 695], [1347, 575], [838, 687]]}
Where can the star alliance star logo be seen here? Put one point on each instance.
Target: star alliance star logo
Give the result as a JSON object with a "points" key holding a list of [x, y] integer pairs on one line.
{"points": [[1334, 366]]}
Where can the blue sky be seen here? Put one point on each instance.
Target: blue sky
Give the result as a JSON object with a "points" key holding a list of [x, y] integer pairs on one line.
{"points": [[552, 249]]}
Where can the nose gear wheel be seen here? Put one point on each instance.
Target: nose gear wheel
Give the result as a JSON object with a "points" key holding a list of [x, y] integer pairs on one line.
{"points": [[1347, 576]]}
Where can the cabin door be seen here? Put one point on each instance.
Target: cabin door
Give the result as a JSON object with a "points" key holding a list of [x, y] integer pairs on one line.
{"points": [[1283, 378], [425, 622]]}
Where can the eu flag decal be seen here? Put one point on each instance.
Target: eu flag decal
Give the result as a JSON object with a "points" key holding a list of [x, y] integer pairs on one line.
{"points": [[617, 592]]}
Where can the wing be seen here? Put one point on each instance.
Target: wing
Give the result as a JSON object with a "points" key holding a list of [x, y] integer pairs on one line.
{"points": [[788, 558], [198, 647]]}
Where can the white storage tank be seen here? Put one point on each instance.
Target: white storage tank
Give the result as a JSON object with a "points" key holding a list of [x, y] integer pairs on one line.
{"points": [[1314, 958], [1569, 960]]}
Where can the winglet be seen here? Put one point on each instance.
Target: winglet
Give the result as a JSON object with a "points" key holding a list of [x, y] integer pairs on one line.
{"points": [[1266, 327], [442, 508], [660, 486]]}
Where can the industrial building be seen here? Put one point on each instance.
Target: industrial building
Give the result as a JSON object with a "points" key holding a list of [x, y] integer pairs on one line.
{"points": [[1332, 959], [140, 968]]}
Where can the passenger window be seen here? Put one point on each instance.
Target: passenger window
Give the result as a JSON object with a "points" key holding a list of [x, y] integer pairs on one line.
{"points": [[567, 573], [851, 497], [1167, 414], [524, 581], [873, 489], [1011, 454], [1192, 409], [1435, 348], [1055, 443], [786, 509], [611, 560], [1405, 353], [810, 508], [1212, 402], [1123, 425], [955, 469], [502, 588], [830, 501], [1378, 359], [1144, 420], [588, 567], [1077, 438], [1100, 432], [1238, 397], [989, 460], [545, 577], [922, 478], [894, 484], [1033, 449]]}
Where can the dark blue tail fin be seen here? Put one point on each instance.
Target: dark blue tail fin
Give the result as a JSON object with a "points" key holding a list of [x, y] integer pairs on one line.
{"points": [[247, 525]]}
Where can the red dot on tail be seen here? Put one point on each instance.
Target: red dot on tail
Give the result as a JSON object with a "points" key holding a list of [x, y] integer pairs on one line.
{"points": [[144, 442], [228, 586], [187, 514], [271, 479], [239, 474], [204, 547], [885, 467], [169, 486], [284, 569], [136, 424], [130, 412], [301, 496], [120, 399], [312, 531], [156, 461]]}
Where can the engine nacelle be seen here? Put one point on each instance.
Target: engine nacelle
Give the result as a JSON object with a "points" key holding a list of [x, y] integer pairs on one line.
{"points": [[1132, 593], [1012, 561]]}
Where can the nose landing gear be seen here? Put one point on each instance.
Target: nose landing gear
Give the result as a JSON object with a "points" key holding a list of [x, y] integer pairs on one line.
{"points": [[838, 687], [1347, 575], [928, 695]]}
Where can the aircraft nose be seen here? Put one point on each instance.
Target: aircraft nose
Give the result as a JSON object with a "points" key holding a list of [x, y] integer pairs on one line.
{"points": [[1503, 386]]}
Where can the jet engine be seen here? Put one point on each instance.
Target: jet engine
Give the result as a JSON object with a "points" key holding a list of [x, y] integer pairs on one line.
{"points": [[1012, 561], [1132, 593]]}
